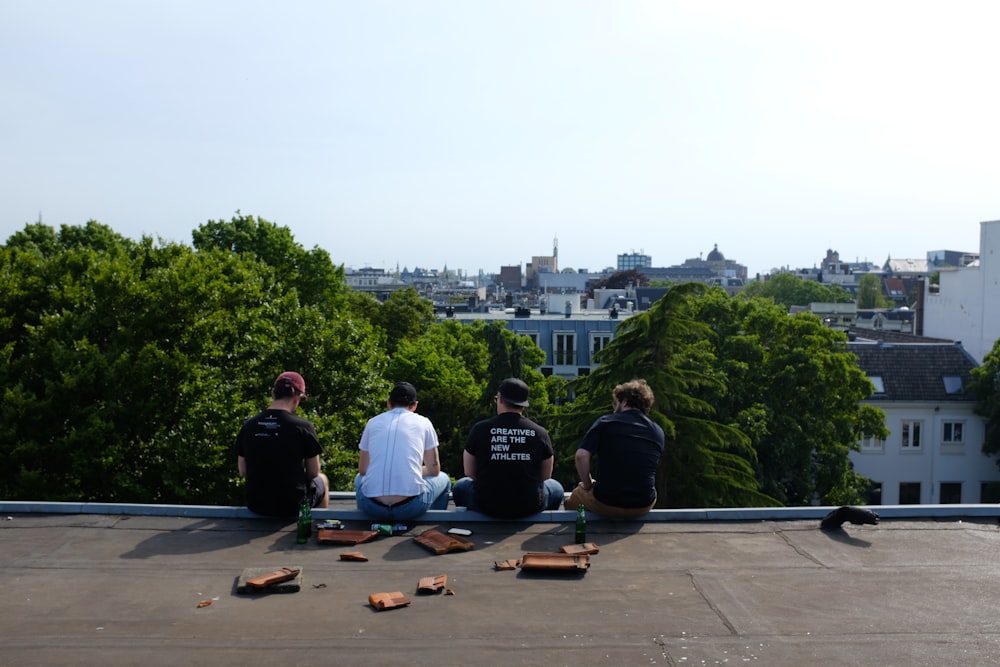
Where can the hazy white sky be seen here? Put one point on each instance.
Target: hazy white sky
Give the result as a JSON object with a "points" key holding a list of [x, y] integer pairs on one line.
{"points": [[469, 133]]}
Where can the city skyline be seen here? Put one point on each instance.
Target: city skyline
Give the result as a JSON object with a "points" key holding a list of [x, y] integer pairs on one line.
{"points": [[613, 266], [468, 135]]}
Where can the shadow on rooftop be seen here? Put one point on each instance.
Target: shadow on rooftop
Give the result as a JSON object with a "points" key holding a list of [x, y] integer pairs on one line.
{"points": [[842, 536], [208, 535]]}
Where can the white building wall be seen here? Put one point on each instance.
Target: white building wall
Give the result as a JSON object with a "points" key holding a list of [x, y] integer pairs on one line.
{"points": [[561, 303], [967, 305], [955, 312], [989, 263], [935, 462]]}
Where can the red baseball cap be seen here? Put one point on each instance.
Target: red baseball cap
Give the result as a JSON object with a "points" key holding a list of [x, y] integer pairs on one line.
{"points": [[293, 380]]}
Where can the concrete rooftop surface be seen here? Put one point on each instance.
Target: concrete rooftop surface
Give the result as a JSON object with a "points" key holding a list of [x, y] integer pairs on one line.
{"points": [[123, 588]]}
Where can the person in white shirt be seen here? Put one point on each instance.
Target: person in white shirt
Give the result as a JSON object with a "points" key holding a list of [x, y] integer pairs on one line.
{"points": [[399, 470]]}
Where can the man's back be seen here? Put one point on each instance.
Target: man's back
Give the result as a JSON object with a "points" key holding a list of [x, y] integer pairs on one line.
{"points": [[509, 449], [395, 442], [275, 443], [628, 446]]}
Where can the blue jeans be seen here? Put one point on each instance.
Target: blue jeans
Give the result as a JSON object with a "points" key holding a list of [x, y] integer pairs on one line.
{"points": [[464, 493], [434, 497]]}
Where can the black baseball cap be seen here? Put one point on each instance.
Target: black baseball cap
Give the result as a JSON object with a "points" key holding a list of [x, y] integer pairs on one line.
{"points": [[514, 392], [403, 393]]}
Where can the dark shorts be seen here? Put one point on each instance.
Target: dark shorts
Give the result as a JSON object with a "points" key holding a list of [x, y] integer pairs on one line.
{"points": [[317, 490]]}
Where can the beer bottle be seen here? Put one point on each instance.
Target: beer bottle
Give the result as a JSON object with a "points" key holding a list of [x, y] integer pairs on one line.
{"points": [[581, 526], [305, 524]]}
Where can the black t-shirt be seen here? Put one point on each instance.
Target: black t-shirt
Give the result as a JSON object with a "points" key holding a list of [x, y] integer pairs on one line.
{"points": [[275, 443], [627, 446], [509, 451]]}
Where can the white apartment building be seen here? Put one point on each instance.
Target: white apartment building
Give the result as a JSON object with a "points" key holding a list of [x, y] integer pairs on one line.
{"points": [[933, 454]]}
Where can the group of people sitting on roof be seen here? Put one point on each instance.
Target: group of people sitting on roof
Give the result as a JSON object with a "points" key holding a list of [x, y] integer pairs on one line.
{"points": [[508, 459]]}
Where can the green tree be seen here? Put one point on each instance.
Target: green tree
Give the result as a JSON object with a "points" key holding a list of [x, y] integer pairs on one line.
{"points": [[759, 407], [447, 365], [358, 346], [47, 242], [512, 355], [457, 368], [788, 290], [985, 386], [404, 315], [310, 272], [128, 366], [870, 292], [707, 463], [795, 390]]}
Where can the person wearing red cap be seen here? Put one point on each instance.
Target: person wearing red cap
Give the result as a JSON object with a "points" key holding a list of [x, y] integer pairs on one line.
{"points": [[278, 453]]}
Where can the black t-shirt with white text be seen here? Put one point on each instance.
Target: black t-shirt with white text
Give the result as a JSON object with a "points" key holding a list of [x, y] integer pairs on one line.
{"points": [[509, 451]]}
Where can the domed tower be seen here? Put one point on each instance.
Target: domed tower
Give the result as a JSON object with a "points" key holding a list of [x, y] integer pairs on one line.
{"points": [[715, 255]]}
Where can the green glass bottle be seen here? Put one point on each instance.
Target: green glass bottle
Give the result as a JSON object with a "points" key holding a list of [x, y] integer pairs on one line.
{"points": [[305, 524], [581, 526]]}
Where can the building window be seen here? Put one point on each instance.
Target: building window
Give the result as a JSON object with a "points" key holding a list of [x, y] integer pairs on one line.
{"points": [[532, 335], [909, 493], [598, 341], [871, 444], [952, 384], [909, 438], [877, 382], [951, 493], [954, 433], [989, 492], [564, 349]]}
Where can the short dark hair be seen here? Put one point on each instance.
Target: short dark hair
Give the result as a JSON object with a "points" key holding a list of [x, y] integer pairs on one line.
{"points": [[403, 394], [282, 392]]}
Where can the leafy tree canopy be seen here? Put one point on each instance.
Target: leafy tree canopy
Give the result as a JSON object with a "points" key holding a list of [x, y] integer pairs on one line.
{"points": [[707, 463], [985, 386], [795, 390], [310, 272], [128, 367], [788, 290], [759, 407], [457, 368], [870, 293], [404, 315]]}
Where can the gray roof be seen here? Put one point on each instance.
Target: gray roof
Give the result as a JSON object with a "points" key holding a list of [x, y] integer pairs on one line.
{"points": [[112, 589], [916, 371], [677, 272]]}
